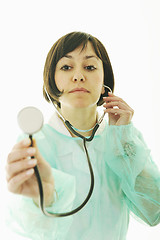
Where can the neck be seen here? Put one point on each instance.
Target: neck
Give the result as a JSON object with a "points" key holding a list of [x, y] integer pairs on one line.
{"points": [[81, 118]]}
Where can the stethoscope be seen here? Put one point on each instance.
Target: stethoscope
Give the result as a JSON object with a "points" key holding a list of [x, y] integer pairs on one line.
{"points": [[30, 120]]}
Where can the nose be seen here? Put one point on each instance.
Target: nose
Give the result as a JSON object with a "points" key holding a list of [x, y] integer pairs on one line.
{"points": [[78, 77]]}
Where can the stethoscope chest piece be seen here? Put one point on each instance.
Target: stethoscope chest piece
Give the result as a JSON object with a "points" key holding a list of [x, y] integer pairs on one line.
{"points": [[30, 120]]}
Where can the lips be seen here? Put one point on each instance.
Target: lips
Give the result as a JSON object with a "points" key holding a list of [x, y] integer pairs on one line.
{"points": [[79, 90]]}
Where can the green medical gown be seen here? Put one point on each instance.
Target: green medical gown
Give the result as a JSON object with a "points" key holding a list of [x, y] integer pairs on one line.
{"points": [[126, 181]]}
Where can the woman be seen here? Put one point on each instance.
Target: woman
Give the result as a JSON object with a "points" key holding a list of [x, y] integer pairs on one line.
{"points": [[76, 71]]}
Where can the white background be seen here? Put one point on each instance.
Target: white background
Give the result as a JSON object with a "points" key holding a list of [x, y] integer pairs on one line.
{"points": [[130, 31]]}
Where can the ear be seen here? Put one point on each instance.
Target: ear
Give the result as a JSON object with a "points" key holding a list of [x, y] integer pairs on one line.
{"points": [[103, 90]]}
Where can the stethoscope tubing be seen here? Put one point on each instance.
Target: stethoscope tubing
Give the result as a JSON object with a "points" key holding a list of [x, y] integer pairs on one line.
{"points": [[40, 186]]}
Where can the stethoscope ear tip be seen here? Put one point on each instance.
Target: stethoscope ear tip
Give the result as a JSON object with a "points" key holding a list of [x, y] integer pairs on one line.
{"points": [[108, 88]]}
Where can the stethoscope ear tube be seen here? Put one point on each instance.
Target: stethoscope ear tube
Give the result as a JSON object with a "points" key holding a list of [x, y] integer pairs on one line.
{"points": [[67, 123]]}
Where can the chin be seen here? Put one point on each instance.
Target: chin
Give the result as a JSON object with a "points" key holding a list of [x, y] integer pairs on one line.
{"points": [[80, 103]]}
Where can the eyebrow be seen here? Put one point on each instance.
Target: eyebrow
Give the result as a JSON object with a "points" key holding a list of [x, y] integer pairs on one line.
{"points": [[86, 57]]}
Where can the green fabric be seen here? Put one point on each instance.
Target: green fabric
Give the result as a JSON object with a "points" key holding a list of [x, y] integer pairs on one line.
{"points": [[126, 180]]}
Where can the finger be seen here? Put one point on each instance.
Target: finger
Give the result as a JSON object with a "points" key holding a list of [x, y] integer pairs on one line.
{"points": [[37, 154], [113, 97], [22, 144], [110, 95], [119, 104], [14, 185], [117, 111], [17, 154], [34, 144], [19, 166]]}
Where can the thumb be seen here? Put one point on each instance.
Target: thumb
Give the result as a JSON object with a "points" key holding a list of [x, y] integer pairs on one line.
{"points": [[43, 165], [37, 154], [40, 160]]}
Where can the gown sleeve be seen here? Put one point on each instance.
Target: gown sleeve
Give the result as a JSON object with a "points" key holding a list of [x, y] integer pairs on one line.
{"points": [[26, 219], [129, 157]]}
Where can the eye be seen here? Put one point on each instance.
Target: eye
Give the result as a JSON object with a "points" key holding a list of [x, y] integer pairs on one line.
{"points": [[90, 67], [66, 67]]}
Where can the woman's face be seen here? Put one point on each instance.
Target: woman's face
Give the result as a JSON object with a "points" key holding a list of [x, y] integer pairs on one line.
{"points": [[80, 75]]}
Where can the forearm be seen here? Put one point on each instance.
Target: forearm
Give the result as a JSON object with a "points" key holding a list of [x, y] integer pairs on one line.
{"points": [[139, 176]]}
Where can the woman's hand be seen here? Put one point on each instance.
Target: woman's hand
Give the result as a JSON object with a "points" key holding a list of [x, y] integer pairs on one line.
{"points": [[117, 116], [20, 172]]}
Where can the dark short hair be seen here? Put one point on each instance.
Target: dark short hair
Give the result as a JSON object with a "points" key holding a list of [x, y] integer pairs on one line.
{"points": [[60, 48]]}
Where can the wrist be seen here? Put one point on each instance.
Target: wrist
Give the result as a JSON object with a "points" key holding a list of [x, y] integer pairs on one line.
{"points": [[49, 199]]}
